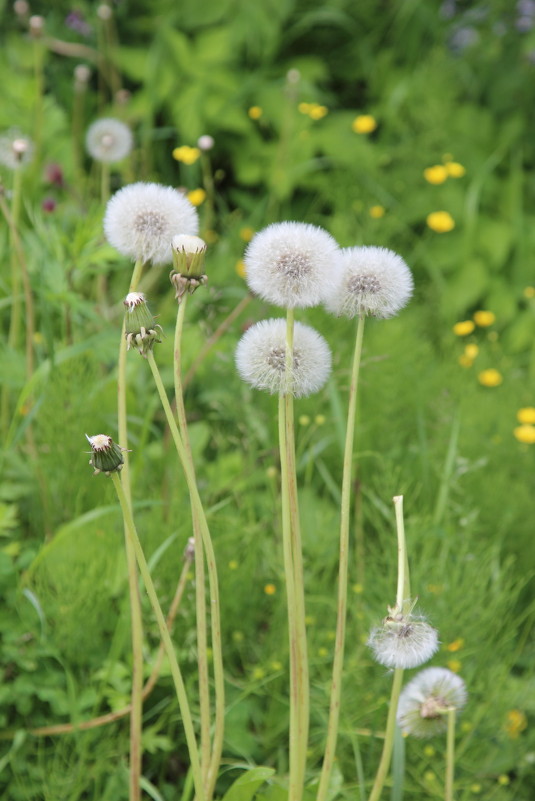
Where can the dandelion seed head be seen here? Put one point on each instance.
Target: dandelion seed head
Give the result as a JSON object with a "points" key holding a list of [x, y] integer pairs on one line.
{"points": [[290, 264], [261, 359], [108, 140], [142, 218], [16, 150], [425, 700], [372, 281], [405, 641]]}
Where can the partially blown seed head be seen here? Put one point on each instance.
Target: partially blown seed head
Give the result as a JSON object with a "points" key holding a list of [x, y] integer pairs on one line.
{"points": [[108, 140], [425, 700], [403, 641]]}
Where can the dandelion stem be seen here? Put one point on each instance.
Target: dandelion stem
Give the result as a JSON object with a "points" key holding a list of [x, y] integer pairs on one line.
{"points": [[450, 755], [164, 633], [388, 744], [338, 662], [403, 588]]}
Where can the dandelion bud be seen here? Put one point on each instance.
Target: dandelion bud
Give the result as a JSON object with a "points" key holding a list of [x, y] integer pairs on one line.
{"points": [[403, 640], [141, 329], [188, 262], [205, 142], [108, 140], [106, 455], [373, 281], [261, 359], [425, 700]]}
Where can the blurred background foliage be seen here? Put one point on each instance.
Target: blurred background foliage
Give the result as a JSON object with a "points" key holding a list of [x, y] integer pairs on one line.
{"points": [[329, 114]]}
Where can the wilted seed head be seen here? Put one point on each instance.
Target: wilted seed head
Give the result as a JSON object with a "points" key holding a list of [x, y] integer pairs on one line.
{"points": [[291, 264], [188, 263], [372, 281], [141, 329], [261, 359], [425, 700], [16, 150], [108, 140], [403, 641], [141, 220], [106, 455]]}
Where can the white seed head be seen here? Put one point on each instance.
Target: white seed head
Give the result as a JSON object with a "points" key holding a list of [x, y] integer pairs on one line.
{"points": [[141, 220], [108, 140], [15, 149], [134, 299], [205, 142], [373, 281], [186, 243], [261, 359], [424, 701], [82, 74], [100, 442], [291, 264], [403, 641]]}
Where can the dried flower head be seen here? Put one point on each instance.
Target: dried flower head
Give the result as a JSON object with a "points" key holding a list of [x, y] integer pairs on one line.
{"points": [[16, 150], [141, 329], [106, 455], [403, 640], [108, 140], [188, 264], [142, 219], [425, 700], [291, 264], [373, 281], [261, 359]]}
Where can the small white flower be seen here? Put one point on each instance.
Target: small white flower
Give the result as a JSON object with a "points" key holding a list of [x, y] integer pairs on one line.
{"points": [[290, 264], [373, 281], [108, 140], [403, 641], [424, 701], [205, 142], [261, 358], [141, 220], [15, 149]]}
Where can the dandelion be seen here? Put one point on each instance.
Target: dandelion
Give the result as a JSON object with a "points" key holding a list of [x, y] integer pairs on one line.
{"points": [[463, 328], [403, 641], [376, 212], [270, 589], [261, 359], [196, 197], [436, 174], [516, 723], [484, 318], [141, 329], [240, 268], [291, 264], [188, 263], [456, 645], [142, 218], [426, 699], [526, 415], [186, 154], [247, 233], [490, 377], [454, 665], [255, 112], [16, 150], [454, 169], [364, 123], [525, 434], [317, 112], [440, 221], [304, 108], [529, 292], [106, 456], [108, 140], [373, 281]]}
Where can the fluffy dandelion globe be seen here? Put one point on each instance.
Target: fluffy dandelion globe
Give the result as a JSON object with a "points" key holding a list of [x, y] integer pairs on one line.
{"points": [[141, 220], [373, 281], [108, 140], [15, 149], [261, 359], [403, 641], [425, 700], [291, 264]]}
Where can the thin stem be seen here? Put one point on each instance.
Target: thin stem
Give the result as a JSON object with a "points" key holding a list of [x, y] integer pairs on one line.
{"points": [[403, 588], [339, 646], [450, 755], [388, 744], [166, 638]]}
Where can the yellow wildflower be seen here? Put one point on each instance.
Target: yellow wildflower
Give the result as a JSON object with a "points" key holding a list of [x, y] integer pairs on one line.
{"points": [[456, 645], [440, 221], [484, 318], [255, 112], [270, 589], [436, 174], [471, 351], [276, 665], [430, 776], [323, 652], [358, 589], [504, 779], [240, 268], [454, 665], [238, 636], [463, 328], [525, 434], [526, 415], [454, 169], [529, 292], [317, 112], [304, 108], [233, 565], [490, 377], [364, 124], [429, 751], [377, 212], [186, 154], [319, 419], [516, 723], [196, 197], [304, 420], [475, 788], [465, 361], [246, 233]]}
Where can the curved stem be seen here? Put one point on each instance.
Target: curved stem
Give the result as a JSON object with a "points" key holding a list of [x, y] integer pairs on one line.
{"points": [[345, 511]]}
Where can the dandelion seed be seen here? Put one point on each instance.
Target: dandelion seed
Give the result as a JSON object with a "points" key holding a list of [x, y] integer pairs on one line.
{"points": [[440, 221], [261, 359], [372, 281], [109, 140], [426, 699], [16, 150], [291, 264], [403, 641], [142, 218]]}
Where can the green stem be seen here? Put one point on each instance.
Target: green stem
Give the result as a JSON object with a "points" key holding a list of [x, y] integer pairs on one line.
{"points": [[403, 588], [450, 755], [338, 661], [386, 756], [14, 326], [164, 633]]}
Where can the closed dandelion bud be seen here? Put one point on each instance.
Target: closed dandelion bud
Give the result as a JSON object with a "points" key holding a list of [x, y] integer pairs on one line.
{"points": [[106, 455], [141, 329], [261, 359], [188, 262], [425, 701], [403, 640], [373, 281], [108, 140], [291, 264]]}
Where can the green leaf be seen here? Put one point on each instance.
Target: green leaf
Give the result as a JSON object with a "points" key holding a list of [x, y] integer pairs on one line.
{"points": [[245, 786]]}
